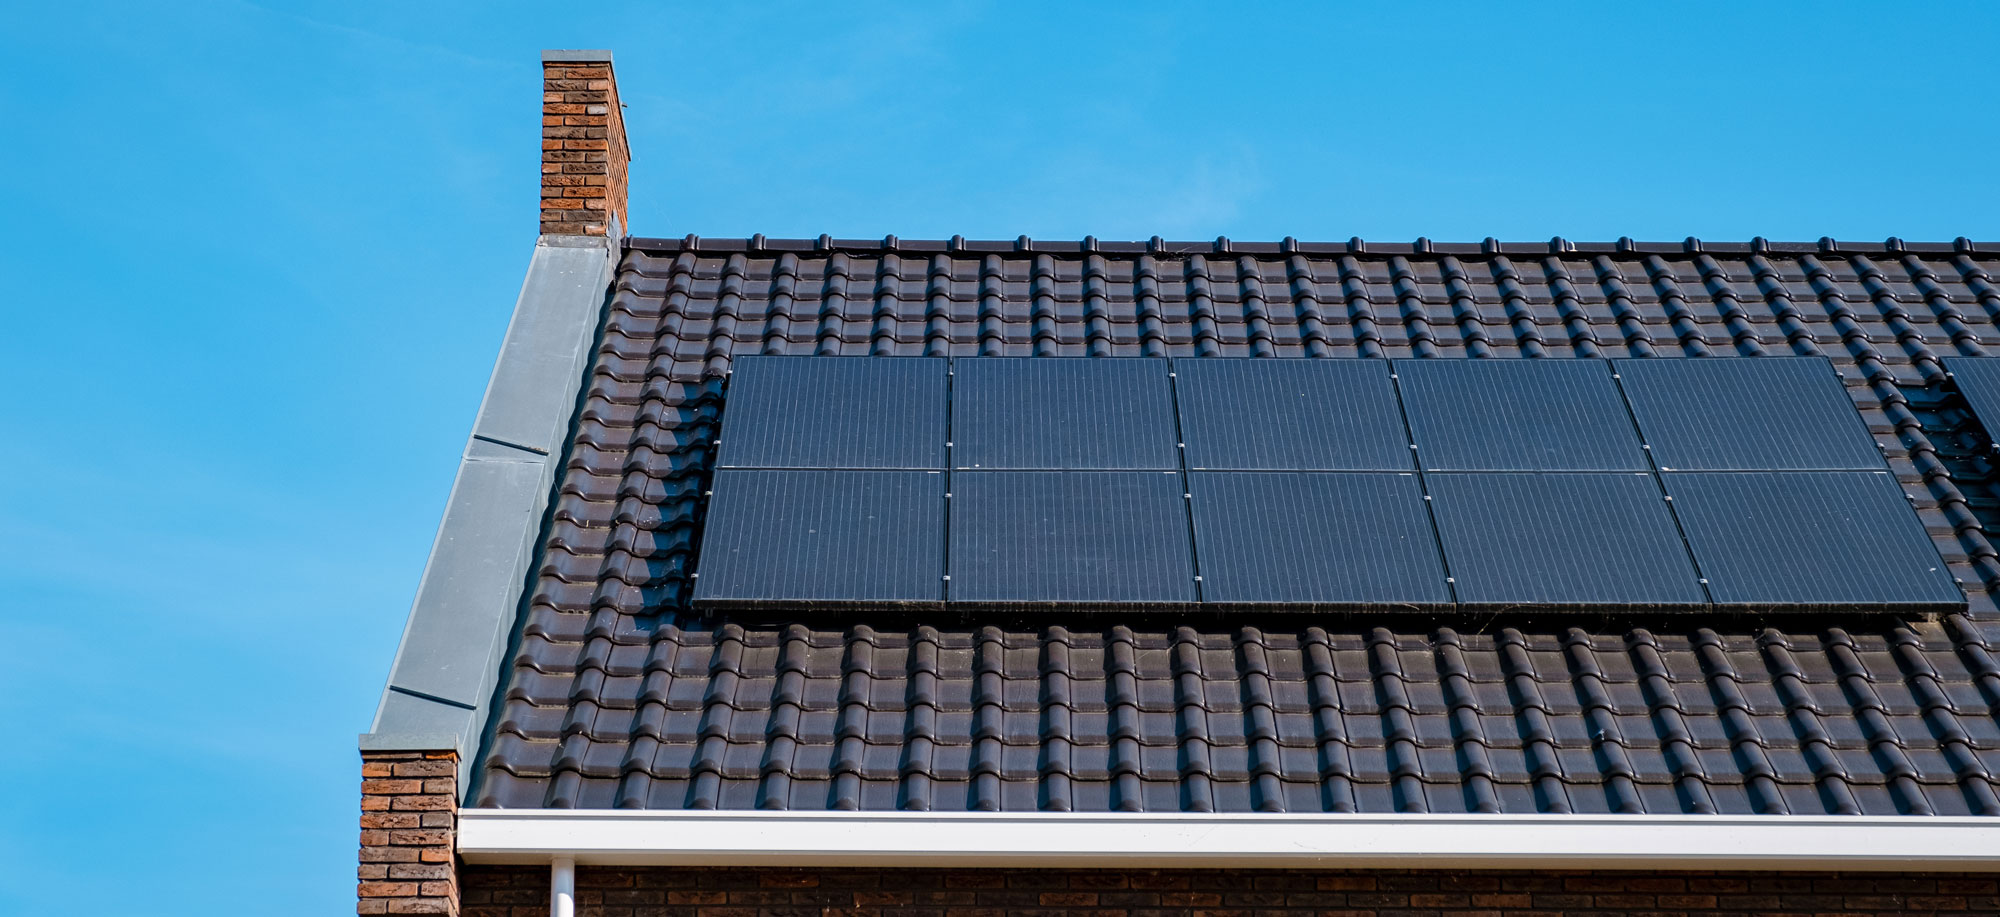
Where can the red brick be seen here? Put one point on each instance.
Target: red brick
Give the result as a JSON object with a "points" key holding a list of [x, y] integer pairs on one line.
{"points": [[413, 871], [386, 889], [391, 787], [388, 854], [386, 820], [406, 865], [423, 906]]}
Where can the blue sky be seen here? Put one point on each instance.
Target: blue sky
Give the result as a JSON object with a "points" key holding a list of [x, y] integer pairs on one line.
{"points": [[258, 259]]}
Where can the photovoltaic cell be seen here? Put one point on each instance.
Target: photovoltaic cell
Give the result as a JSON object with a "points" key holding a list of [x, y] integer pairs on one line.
{"points": [[803, 538], [1604, 539], [1832, 539], [1316, 539], [1978, 381], [1043, 538], [1025, 413], [831, 412], [1518, 415], [1762, 414], [1302, 414]]}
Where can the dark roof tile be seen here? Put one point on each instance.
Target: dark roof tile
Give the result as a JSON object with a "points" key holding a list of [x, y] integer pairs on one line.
{"points": [[619, 697]]}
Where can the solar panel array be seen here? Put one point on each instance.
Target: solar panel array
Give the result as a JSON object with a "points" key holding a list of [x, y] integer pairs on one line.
{"points": [[1665, 484]]}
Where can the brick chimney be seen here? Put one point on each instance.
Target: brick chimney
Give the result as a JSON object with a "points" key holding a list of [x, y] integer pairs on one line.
{"points": [[583, 146]]}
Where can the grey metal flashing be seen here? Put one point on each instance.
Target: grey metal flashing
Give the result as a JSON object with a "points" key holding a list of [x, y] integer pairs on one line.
{"points": [[407, 741], [569, 56], [441, 686]]}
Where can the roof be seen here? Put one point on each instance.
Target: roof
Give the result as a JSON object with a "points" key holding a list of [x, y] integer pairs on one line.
{"points": [[613, 694]]}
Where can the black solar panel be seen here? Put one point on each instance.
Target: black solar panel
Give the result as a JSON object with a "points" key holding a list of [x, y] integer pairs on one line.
{"points": [[1316, 539], [1765, 414], [1338, 415], [1601, 539], [824, 412], [1023, 413], [1043, 538], [1840, 539], [1518, 415], [1978, 381], [823, 538]]}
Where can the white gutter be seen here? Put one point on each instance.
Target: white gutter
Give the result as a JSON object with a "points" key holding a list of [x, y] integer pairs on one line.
{"points": [[1157, 840]]}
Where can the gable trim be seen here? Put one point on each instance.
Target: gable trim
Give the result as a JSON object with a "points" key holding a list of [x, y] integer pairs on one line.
{"points": [[448, 662]]}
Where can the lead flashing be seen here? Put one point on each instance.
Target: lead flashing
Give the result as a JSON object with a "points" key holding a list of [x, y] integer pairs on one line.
{"points": [[565, 56], [408, 741], [448, 663]]}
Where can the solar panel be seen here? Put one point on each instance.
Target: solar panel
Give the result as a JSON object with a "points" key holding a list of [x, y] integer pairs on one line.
{"points": [[1042, 538], [1764, 414], [1604, 539], [806, 538], [1025, 413], [1978, 380], [1303, 414], [829, 412], [1316, 539], [1830, 539], [1518, 415]]}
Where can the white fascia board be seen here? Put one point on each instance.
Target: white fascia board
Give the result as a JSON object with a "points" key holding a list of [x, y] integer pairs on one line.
{"points": [[1165, 840]]}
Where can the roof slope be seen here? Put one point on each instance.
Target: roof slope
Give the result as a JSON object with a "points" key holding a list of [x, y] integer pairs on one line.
{"points": [[617, 698]]}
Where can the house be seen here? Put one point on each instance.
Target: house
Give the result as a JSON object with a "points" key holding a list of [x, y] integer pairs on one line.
{"points": [[1777, 694]]}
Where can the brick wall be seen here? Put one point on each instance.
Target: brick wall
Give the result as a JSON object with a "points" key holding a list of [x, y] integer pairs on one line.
{"points": [[409, 825], [583, 148], [492, 891]]}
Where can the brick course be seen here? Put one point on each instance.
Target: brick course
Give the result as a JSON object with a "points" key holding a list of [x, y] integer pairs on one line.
{"points": [[409, 827], [584, 155], [507, 891]]}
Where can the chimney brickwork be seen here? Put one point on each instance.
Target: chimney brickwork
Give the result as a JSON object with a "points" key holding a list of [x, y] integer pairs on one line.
{"points": [[409, 828], [584, 155]]}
